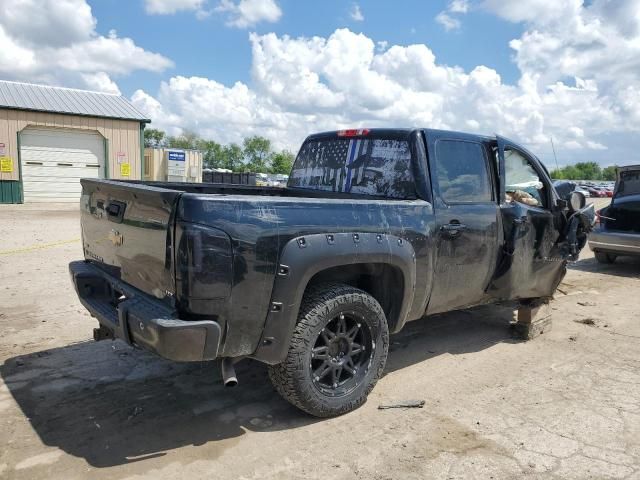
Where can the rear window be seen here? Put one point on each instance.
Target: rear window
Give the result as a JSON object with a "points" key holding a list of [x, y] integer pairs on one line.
{"points": [[629, 183], [373, 166]]}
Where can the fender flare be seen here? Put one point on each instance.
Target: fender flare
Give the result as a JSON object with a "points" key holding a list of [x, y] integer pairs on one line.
{"points": [[305, 256]]}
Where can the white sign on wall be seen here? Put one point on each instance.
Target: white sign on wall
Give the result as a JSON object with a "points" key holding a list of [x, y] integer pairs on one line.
{"points": [[176, 160]]}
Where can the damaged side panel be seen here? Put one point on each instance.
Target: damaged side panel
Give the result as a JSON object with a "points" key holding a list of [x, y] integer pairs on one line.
{"points": [[532, 263], [540, 235]]}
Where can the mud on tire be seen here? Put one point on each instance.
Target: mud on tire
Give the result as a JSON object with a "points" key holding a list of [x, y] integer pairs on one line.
{"points": [[338, 351]]}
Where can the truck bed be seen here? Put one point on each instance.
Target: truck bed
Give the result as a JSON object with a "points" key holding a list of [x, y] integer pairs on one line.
{"points": [[212, 251]]}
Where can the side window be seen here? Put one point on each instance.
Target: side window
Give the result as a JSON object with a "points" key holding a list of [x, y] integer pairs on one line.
{"points": [[522, 182], [463, 174]]}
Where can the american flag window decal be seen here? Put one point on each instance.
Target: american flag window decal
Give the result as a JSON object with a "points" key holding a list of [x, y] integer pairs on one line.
{"points": [[378, 167]]}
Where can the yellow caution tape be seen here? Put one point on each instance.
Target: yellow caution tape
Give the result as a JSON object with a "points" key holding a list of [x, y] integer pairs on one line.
{"points": [[38, 247]]}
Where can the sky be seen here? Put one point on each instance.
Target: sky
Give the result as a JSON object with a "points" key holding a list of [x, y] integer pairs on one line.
{"points": [[532, 70]]}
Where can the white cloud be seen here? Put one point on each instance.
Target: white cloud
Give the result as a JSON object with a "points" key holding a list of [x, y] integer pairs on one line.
{"points": [[247, 13], [459, 6], [169, 7], [449, 18], [447, 21], [594, 43], [100, 82], [46, 22], [540, 11], [356, 13], [381, 45], [55, 42], [302, 85]]}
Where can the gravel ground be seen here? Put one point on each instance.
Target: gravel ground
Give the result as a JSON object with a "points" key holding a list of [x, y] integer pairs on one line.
{"points": [[565, 405]]}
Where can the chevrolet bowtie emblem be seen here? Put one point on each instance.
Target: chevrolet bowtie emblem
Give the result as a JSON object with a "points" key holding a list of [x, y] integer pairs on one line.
{"points": [[116, 237]]}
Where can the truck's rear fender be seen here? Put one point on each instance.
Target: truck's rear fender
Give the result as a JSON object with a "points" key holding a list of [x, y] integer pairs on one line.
{"points": [[310, 259]]}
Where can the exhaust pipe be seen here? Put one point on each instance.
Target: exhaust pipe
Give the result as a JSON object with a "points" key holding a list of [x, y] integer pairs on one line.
{"points": [[229, 373]]}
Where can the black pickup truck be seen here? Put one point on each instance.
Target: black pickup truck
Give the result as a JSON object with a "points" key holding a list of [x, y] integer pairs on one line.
{"points": [[374, 229]]}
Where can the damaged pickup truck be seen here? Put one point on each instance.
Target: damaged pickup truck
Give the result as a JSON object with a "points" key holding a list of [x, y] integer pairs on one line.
{"points": [[375, 228]]}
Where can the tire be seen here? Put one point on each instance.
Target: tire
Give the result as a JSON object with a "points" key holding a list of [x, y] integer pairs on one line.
{"points": [[329, 314], [604, 257]]}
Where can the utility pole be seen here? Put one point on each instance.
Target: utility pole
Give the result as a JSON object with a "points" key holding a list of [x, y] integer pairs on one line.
{"points": [[554, 154]]}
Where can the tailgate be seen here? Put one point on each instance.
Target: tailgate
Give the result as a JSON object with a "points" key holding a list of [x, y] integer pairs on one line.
{"points": [[127, 229]]}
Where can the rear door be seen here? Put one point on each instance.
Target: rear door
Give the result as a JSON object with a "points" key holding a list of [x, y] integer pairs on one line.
{"points": [[466, 220], [532, 263], [127, 229]]}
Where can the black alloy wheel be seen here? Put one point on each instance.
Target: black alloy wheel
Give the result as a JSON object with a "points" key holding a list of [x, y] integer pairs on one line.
{"points": [[337, 351], [341, 355]]}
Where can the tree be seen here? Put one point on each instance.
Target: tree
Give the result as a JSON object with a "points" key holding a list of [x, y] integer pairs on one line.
{"points": [[257, 154], [154, 137], [589, 170], [609, 173], [212, 153], [186, 140], [232, 157], [584, 171], [282, 162]]}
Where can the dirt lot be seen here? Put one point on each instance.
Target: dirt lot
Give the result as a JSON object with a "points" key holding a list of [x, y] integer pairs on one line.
{"points": [[566, 405]]}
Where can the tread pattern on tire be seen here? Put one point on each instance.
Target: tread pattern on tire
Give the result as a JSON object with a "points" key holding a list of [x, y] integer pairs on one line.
{"points": [[288, 377]]}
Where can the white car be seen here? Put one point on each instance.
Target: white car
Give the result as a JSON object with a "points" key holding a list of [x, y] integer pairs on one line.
{"points": [[583, 191]]}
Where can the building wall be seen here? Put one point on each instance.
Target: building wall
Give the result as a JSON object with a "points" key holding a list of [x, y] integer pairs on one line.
{"points": [[157, 168], [158, 164], [123, 136]]}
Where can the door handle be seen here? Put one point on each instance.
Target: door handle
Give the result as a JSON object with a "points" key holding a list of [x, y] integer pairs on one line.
{"points": [[115, 211], [453, 229]]}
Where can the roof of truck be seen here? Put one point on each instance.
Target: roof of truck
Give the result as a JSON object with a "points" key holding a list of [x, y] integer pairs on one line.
{"points": [[363, 132], [628, 167]]}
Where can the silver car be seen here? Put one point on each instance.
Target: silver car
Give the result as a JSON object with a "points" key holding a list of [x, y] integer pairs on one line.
{"points": [[618, 231]]}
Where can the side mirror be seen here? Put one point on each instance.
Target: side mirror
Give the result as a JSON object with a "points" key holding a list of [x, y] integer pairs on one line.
{"points": [[577, 201]]}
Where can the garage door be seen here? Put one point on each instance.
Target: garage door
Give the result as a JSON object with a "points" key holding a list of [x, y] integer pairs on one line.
{"points": [[54, 161]]}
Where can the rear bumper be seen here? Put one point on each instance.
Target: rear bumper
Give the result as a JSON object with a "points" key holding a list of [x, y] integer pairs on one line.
{"points": [[614, 242], [142, 320]]}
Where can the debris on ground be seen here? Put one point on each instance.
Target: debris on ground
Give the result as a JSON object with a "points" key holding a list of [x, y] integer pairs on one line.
{"points": [[407, 404], [586, 321], [587, 304]]}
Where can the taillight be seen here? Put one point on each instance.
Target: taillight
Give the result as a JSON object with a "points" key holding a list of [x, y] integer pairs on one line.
{"points": [[597, 216], [353, 132], [203, 265]]}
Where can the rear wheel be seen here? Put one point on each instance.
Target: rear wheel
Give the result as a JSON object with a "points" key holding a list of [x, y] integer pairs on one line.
{"points": [[604, 257], [337, 353]]}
